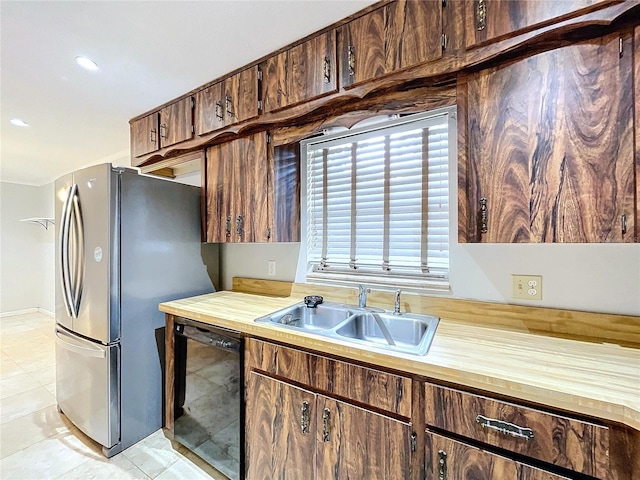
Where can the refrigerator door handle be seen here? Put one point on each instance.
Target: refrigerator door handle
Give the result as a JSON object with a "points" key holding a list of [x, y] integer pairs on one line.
{"points": [[65, 273], [86, 351], [78, 261]]}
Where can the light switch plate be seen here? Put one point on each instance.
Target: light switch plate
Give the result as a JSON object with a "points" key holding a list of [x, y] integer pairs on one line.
{"points": [[272, 268], [527, 287]]}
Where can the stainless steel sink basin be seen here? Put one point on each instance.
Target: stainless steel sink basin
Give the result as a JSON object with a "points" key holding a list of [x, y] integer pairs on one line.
{"points": [[407, 332], [323, 317]]}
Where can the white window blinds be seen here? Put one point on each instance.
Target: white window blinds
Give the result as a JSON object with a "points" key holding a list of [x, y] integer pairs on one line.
{"points": [[378, 201]]}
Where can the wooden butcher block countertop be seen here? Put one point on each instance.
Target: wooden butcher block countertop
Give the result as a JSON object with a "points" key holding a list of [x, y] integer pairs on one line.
{"points": [[508, 356]]}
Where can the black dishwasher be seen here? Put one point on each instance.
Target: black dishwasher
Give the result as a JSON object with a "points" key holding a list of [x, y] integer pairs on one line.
{"points": [[209, 397]]}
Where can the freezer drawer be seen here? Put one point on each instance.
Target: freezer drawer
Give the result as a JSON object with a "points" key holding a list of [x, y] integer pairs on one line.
{"points": [[87, 385]]}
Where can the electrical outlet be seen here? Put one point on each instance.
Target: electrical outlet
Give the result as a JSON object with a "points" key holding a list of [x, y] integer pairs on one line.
{"points": [[527, 287], [272, 268]]}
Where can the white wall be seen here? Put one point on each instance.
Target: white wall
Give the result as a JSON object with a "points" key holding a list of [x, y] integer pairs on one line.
{"points": [[597, 278], [26, 249]]}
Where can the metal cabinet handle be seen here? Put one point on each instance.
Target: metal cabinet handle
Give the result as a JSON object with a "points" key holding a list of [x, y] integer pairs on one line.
{"points": [[484, 215], [351, 56], [304, 420], [442, 465], [228, 226], [481, 15], [326, 424], [219, 111], [505, 427], [326, 70], [623, 221], [163, 128], [239, 225], [152, 135], [229, 107]]}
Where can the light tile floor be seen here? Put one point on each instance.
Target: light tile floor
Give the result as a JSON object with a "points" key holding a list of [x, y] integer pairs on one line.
{"points": [[37, 442]]}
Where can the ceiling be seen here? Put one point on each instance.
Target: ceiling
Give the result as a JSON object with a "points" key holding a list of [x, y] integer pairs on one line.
{"points": [[148, 53]]}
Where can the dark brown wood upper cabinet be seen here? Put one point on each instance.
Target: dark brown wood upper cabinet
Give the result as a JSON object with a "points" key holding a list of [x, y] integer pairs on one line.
{"points": [[228, 102], [176, 122], [209, 114], [487, 20], [237, 191], [172, 124], [144, 136], [397, 36], [549, 141], [302, 73]]}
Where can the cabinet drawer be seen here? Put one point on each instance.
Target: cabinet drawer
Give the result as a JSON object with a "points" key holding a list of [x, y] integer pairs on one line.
{"points": [[449, 459], [381, 390], [574, 444]]}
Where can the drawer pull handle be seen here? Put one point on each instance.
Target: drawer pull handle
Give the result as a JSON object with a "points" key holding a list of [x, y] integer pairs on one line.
{"points": [[304, 420], [505, 427], [326, 424]]}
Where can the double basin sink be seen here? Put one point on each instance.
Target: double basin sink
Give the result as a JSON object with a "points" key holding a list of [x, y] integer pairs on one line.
{"points": [[404, 332]]}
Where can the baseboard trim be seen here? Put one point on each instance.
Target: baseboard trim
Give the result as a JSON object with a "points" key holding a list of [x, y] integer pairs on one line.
{"points": [[24, 311]]}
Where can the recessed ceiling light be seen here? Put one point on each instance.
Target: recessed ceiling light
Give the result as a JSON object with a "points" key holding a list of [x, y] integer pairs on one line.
{"points": [[87, 63], [19, 123]]}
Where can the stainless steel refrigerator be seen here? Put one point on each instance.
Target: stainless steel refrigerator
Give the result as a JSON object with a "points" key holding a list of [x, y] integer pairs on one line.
{"points": [[124, 243]]}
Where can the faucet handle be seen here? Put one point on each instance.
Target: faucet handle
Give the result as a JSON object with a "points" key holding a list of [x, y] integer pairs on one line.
{"points": [[362, 295]]}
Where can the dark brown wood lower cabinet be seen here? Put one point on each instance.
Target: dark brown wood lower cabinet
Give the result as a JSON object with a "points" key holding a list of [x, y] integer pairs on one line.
{"points": [[277, 445], [357, 443], [448, 459], [292, 433]]}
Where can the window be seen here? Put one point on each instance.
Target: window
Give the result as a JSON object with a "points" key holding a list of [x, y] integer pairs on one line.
{"points": [[378, 203]]}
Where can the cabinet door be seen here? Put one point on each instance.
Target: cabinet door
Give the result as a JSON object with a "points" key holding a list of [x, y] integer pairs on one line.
{"points": [[251, 193], [636, 102], [241, 96], [176, 122], [274, 82], [362, 48], [218, 184], [280, 430], [487, 20], [144, 136], [550, 147], [302, 73], [311, 69], [357, 443], [209, 112], [400, 35], [414, 33]]}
